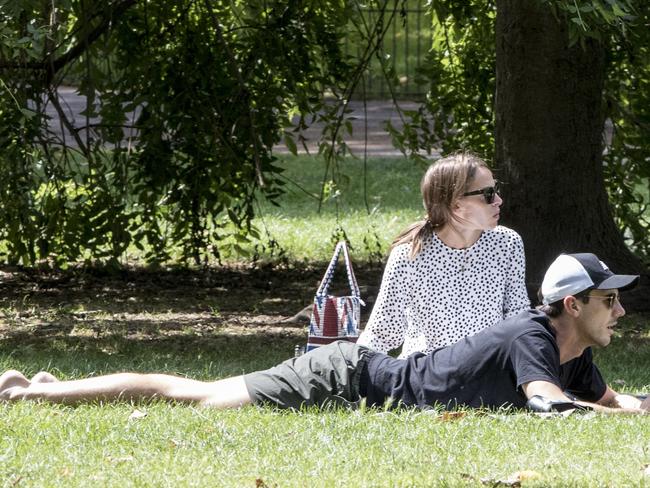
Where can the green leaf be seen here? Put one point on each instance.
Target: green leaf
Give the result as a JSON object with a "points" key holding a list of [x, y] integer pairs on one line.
{"points": [[29, 114], [291, 145]]}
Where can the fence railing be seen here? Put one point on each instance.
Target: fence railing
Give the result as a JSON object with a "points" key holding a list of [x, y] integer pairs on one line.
{"points": [[407, 40]]}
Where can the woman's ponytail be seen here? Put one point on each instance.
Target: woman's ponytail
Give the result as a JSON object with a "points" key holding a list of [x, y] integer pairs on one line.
{"points": [[442, 185]]}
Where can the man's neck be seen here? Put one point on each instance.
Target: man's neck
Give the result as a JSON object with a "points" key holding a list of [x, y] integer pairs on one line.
{"points": [[568, 342]]}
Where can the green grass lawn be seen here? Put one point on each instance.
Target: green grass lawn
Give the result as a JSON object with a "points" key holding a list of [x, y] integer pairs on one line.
{"points": [[180, 446], [212, 324], [306, 233], [175, 445]]}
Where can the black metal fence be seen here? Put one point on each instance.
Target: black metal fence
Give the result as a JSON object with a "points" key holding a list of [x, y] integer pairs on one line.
{"points": [[407, 40]]}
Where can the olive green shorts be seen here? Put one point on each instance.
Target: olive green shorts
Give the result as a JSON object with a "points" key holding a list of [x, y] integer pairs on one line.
{"points": [[328, 375]]}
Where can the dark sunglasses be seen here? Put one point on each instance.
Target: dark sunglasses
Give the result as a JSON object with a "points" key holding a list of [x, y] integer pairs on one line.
{"points": [[488, 192], [611, 298]]}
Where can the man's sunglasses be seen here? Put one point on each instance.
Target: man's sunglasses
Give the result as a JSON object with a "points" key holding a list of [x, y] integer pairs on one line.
{"points": [[612, 298], [488, 192]]}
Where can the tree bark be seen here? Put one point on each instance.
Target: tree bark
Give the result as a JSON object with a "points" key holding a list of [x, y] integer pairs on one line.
{"points": [[549, 144]]}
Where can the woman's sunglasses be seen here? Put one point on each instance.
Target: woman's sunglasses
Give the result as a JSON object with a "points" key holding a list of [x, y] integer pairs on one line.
{"points": [[488, 192]]}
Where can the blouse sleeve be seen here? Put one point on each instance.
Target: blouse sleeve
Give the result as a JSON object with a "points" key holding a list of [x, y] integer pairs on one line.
{"points": [[387, 324], [515, 297]]}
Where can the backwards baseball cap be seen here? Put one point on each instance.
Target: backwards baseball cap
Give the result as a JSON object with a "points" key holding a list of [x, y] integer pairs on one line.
{"points": [[570, 274]]}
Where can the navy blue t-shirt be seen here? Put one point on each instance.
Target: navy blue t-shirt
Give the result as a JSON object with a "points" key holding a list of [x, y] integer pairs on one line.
{"points": [[484, 370]]}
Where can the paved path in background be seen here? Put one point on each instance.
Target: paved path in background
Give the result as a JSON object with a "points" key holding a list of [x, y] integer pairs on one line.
{"points": [[368, 132], [373, 120]]}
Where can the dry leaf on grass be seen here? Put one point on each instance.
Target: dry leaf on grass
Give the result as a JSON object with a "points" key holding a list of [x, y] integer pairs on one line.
{"points": [[527, 475], [137, 414], [554, 415], [514, 480], [447, 416]]}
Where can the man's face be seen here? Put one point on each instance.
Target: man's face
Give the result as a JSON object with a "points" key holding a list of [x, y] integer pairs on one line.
{"points": [[599, 316]]}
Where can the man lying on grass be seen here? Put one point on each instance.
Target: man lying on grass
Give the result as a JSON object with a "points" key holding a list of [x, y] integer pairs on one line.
{"points": [[538, 353]]}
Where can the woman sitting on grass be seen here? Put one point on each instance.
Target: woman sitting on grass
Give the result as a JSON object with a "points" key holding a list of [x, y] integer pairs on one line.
{"points": [[455, 272]]}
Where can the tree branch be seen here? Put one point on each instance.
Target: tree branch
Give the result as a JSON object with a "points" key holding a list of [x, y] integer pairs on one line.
{"points": [[78, 49], [235, 70], [52, 66]]}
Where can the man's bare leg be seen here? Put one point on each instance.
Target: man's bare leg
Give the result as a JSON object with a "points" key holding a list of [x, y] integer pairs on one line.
{"points": [[227, 393]]}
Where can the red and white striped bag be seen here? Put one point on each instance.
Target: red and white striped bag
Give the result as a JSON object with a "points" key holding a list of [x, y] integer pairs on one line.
{"points": [[335, 318]]}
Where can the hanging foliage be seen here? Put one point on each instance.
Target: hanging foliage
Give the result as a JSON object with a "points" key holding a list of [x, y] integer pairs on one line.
{"points": [[459, 110], [185, 102]]}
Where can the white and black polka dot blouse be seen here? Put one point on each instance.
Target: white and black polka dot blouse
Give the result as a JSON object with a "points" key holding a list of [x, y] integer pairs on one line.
{"points": [[445, 294]]}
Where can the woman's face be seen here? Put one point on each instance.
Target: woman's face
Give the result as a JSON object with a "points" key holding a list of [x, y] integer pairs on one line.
{"points": [[472, 211]]}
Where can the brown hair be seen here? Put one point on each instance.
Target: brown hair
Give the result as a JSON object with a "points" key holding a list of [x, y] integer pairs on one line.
{"points": [[556, 308], [444, 182]]}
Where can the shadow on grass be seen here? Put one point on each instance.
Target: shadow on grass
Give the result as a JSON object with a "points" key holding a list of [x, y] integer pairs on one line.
{"points": [[278, 290], [209, 356], [201, 323]]}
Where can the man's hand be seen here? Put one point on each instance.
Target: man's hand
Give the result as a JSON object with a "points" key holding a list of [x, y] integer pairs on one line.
{"points": [[610, 403], [626, 401]]}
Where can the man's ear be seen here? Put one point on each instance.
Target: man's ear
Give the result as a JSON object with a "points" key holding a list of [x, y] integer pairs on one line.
{"points": [[571, 305]]}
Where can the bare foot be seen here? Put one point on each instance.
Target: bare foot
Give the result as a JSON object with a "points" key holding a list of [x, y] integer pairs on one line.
{"points": [[44, 377], [10, 381]]}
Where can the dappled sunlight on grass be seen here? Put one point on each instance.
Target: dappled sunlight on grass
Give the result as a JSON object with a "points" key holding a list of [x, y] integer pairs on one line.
{"points": [[370, 218], [209, 324], [312, 240]]}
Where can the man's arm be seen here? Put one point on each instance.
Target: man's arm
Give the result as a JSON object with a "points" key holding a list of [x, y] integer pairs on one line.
{"points": [[611, 402], [618, 400]]}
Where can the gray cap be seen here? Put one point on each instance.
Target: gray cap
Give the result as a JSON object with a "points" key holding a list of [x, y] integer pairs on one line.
{"points": [[570, 274]]}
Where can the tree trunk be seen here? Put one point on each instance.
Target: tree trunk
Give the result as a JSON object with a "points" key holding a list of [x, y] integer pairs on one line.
{"points": [[549, 127]]}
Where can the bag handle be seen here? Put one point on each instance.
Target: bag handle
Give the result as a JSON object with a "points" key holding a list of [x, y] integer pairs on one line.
{"points": [[329, 273]]}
